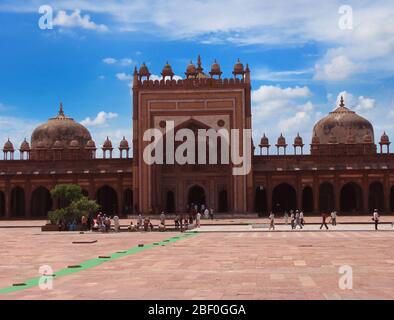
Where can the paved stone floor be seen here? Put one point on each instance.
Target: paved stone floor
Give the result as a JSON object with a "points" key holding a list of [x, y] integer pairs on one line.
{"points": [[247, 264]]}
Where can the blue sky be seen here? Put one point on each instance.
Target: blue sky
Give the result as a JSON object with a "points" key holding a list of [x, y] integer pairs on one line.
{"points": [[300, 59]]}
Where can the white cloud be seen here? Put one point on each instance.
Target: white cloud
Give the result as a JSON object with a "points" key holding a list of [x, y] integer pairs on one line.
{"points": [[124, 76], [286, 75], [159, 77], [121, 62], [336, 68], [99, 120], [109, 60], [359, 104], [101, 77], [126, 62], [283, 110], [76, 20]]}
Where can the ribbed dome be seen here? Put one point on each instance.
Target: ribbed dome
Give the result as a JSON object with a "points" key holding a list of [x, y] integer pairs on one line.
{"points": [[8, 146], [191, 69], [339, 123], [24, 146], [144, 71], [281, 141], [315, 139], [91, 145], [215, 69], [107, 144], [167, 70], [238, 67], [264, 142], [61, 128], [298, 140], [384, 139], [124, 144]]}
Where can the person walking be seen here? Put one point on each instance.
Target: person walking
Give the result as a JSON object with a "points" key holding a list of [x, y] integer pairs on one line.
{"points": [[211, 213], [323, 223], [375, 218], [302, 221], [286, 217], [297, 220], [163, 218], [272, 221], [334, 218], [198, 219], [116, 223], [206, 213], [292, 219]]}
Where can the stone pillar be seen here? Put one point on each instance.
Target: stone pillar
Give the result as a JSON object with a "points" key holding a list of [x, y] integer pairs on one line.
{"points": [[386, 194], [269, 194], [337, 194], [315, 189], [7, 198], [365, 195], [119, 191], [28, 198], [298, 192]]}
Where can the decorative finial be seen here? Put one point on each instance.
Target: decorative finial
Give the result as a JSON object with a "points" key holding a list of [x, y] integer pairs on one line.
{"points": [[135, 70], [199, 68], [342, 103], [61, 113]]}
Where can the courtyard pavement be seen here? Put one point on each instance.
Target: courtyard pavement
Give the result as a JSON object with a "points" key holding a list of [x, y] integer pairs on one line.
{"points": [[241, 263]]}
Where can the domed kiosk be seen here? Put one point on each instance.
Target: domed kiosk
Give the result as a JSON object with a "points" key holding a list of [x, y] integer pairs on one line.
{"points": [[343, 131], [60, 138]]}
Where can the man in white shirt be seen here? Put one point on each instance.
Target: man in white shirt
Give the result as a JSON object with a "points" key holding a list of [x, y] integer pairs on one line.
{"points": [[206, 213], [272, 221], [198, 218], [334, 218], [375, 218]]}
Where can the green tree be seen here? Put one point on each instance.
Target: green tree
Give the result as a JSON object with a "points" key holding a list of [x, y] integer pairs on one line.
{"points": [[66, 194], [73, 204]]}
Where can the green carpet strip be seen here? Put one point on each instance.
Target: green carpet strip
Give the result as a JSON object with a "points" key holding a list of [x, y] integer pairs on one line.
{"points": [[88, 264]]}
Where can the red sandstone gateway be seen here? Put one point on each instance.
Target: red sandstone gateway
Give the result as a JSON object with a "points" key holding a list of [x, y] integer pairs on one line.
{"points": [[343, 171]]}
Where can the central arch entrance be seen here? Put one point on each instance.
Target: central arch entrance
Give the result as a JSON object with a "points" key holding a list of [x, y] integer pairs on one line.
{"points": [[108, 200], [351, 198], [284, 198], [196, 195]]}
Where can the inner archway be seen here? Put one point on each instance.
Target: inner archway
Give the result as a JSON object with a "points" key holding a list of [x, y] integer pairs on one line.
{"points": [[223, 204], [260, 203], [284, 198], [108, 200], [2, 204], [170, 202], [128, 201], [196, 195], [351, 198], [326, 197], [307, 199], [376, 197], [17, 202], [41, 202], [392, 199]]}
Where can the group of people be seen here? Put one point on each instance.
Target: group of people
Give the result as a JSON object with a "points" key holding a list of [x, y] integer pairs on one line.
{"points": [[103, 223], [297, 219]]}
